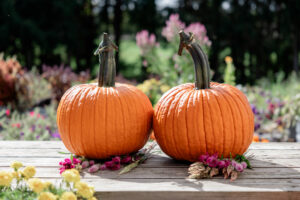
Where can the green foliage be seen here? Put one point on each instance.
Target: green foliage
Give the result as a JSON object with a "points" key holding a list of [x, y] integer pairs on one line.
{"points": [[229, 76], [22, 193]]}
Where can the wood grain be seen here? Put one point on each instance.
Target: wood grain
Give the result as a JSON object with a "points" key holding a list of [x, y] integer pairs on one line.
{"points": [[276, 174]]}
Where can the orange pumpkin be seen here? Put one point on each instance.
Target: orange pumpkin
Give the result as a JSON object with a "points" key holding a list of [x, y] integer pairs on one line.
{"points": [[104, 119], [192, 119]]}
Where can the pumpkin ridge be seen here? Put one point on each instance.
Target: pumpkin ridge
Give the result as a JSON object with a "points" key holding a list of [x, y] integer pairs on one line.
{"points": [[136, 102], [236, 121], [69, 116], [186, 101], [62, 107], [122, 117], [202, 132], [232, 137], [220, 134], [170, 96], [84, 94], [131, 104], [95, 131], [237, 104], [203, 122], [247, 109], [179, 94]]}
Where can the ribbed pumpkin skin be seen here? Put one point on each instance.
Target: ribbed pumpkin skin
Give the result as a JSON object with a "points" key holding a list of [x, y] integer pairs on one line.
{"points": [[99, 122], [189, 122]]}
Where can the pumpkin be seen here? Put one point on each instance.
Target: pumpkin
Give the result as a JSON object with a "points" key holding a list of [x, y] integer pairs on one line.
{"points": [[104, 119], [205, 117]]}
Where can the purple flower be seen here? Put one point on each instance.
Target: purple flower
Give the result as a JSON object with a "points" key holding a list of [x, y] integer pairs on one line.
{"points": [[173, 26], [222, 164], [203, 157], [92, 162], [233, 163], [145, 41], [212, 161], [199, 31], [55, 135], [112, 165], [126, 160], [85, 164], [76, 161], [94, 168], [244, 164], [239, 167], [254, 109], [22, 133], [257, 126]]}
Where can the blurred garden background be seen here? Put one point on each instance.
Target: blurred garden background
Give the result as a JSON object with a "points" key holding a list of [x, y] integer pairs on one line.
{"points": [[47, 47]]}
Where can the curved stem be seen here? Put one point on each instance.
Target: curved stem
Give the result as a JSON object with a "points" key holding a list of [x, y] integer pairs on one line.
{"points": [[107, 71], [202, 70]]}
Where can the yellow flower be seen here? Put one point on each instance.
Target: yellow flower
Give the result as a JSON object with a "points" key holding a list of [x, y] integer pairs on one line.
{"points": [[164, 88], [228, 59], [5, 178], [47, 184], [36, 185], [84, 190], [92, 198], [29, 172], [16, 175], [68, 196], [71, 175], [47, 196], [16, 165]]}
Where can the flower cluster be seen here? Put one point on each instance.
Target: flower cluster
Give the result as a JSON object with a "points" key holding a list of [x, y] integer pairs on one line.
{"points": [[145, 41], [174, 25], [129, 162], [72, 188], [210, 165], [69, 164], [114, 163]]}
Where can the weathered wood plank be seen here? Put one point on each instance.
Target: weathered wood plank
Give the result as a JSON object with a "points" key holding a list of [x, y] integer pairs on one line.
{"points": [[54, 153], [173, 173], [154, 163]]}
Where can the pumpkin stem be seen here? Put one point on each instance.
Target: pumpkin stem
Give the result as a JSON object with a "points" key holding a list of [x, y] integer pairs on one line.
{"points": [[202, 70], [107, 72]]}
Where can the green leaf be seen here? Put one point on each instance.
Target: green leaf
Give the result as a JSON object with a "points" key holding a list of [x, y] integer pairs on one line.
{"points": [[61, 152], [129, 167]]}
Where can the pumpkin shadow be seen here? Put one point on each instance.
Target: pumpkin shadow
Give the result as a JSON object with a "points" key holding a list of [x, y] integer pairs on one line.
{"points": [[161, 174]]}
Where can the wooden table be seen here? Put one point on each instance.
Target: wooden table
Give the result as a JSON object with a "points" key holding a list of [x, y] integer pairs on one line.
{"points": [[276, 174]]}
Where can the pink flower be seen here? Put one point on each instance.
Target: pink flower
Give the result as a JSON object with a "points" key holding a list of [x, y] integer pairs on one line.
{"points": [[85, 164], [233, 163], [7, 112], [126, 160], [103, 167], [145, 41], [61, 170], [199, 31], [92, 162], [203, 157], [114, 164], [94, 168], [116, 159], [76, 161], [68, 161], [145, 63], [239, 167], [212, 161], [32, 114], [17, 125], [173, 26], [244, 164], [222, 164]]}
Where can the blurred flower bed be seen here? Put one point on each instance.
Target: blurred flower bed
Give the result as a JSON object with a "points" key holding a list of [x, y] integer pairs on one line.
{"points": [[28, 99]]}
